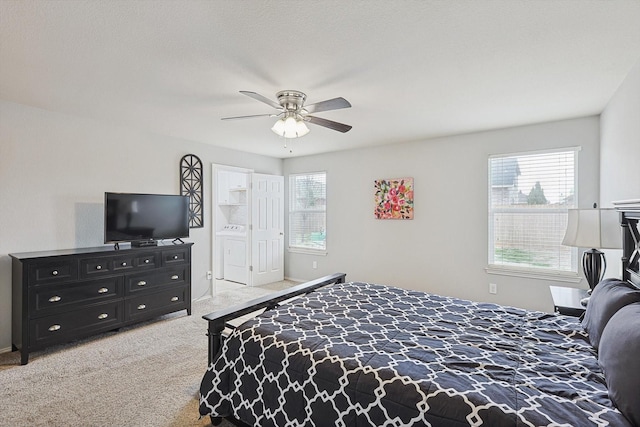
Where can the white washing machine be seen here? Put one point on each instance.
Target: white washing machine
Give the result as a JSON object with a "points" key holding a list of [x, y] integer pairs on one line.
{"points": [[231, 245]]}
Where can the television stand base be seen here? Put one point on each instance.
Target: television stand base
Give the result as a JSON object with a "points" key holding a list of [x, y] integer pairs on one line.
{"points": [[144, 243]]}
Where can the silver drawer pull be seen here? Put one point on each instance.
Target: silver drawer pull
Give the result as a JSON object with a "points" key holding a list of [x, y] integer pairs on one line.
{"points": [[146, 261], [173, 299], [103, 290], [103, 316], [142, 283], [175, 257], [142, 307], [124, 264], [54, 298], [98, 267], [54, 273], [54, 328], [175, 277]]}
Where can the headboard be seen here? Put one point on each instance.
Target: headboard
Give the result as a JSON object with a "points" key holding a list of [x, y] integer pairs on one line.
{"points": [[630, 222]]}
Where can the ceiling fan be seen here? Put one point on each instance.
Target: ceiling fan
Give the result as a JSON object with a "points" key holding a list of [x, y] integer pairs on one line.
{"points": [[293, 113]]}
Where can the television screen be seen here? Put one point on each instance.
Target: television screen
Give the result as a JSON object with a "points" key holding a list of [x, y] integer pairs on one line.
{"points": [[145, 217]]}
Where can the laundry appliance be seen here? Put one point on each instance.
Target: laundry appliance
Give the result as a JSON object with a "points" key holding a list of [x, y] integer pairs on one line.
{"points": [[231, 253]]}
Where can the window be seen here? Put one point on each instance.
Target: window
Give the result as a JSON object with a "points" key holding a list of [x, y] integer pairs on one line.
{"points": [[308, 211], [529, 195]]}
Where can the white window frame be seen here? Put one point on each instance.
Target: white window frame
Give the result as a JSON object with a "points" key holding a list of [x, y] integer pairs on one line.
{"points": [[301, 248], [530, 271]]}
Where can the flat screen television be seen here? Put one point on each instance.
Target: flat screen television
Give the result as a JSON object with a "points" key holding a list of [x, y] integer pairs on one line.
{"points": [[143, 219]]}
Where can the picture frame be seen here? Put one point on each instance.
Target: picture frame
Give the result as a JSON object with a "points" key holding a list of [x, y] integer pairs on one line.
{"points": [[393, 198]]}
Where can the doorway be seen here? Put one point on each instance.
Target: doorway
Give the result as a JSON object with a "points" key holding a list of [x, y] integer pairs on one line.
{"points": [[248, 227]]}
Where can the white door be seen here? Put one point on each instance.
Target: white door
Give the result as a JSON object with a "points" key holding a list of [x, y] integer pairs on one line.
{"points": [[267, 232]]}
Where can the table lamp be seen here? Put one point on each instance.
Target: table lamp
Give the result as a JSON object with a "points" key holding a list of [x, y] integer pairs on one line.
{"points": [[595, 229]]}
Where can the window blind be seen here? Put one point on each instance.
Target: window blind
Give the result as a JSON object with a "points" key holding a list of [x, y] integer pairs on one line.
{"points": [[529, 196], [307, 211]]}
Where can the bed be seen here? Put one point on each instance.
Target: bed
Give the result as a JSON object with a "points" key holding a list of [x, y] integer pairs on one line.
{"points": [[365, 354]]}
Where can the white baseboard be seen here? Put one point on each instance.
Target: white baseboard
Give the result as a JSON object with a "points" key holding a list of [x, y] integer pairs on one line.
{"points": [[5, 350]]}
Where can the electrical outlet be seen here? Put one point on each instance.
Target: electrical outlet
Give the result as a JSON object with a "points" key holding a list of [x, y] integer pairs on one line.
{"points": [[209, 275], [315, 264], [493, 288]]}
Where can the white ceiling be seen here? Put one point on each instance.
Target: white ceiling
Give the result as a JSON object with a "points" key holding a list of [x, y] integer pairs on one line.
{"points": [[412, 70]]}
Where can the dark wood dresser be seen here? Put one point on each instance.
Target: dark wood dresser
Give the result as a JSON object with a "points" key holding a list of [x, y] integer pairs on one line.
{"points": [[63, 295]]}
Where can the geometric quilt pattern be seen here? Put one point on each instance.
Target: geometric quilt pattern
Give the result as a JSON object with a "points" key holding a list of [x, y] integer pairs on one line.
{"points": [[360, 354]]}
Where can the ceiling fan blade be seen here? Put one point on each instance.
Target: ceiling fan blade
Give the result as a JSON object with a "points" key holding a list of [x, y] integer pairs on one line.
{"points": [[261, 98], [340, 127], [249, 117], [329, 104]]}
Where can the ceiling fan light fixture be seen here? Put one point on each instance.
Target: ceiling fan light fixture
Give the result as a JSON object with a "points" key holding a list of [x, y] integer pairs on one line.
{"points": [[290, 127]]}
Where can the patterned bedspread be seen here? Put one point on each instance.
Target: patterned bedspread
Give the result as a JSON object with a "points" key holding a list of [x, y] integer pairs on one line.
{"points": [[359, 354]]}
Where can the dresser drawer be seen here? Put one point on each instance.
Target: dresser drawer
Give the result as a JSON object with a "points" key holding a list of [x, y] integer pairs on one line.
{"points": [[96, 267], [175, 256], [153, 304], [150, 260], [56, 271], [75, 323], [50, 299], [140, 282]]}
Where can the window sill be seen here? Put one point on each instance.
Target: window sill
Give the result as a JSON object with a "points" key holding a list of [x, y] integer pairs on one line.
{"points": [[556, 276], [319, 252]]}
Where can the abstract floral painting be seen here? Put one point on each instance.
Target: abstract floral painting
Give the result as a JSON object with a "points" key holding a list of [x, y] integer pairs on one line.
{"points": [[394, 198]]}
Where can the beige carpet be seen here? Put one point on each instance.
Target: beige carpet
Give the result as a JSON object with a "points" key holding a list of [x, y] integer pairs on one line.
{"points": [[146, 375]]}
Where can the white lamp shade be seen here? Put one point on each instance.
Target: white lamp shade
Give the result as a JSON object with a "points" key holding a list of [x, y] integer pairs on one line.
{"points": [[290, 128], [301, 128], [278, 127], [593, 228]]}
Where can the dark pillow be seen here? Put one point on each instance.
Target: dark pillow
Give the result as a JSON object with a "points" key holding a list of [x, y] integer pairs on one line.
{"points": [[608, 297], [619, 357]]}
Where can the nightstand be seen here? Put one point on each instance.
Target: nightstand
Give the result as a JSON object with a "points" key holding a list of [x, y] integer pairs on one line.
{"points": [[567, 300]]}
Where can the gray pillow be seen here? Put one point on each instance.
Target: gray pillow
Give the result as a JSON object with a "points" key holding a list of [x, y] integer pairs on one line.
{"points": [[608, 297], [619, 357]]}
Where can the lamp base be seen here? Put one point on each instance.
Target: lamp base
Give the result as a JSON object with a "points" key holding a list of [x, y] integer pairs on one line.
{"points": [[594, 265]]}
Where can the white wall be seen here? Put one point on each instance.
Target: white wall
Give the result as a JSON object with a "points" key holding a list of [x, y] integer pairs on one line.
{"points": [[444, 249], [620, 143], [55, 168]]}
